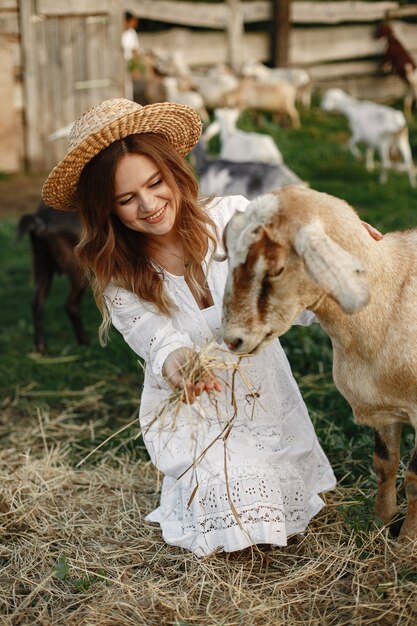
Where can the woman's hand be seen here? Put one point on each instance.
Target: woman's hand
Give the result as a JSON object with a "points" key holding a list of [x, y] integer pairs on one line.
{"points": [[175, 372], [375, 234]]}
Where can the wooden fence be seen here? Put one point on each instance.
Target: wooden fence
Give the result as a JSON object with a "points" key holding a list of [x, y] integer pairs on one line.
{"points": [[59, 56], [333, 40]]}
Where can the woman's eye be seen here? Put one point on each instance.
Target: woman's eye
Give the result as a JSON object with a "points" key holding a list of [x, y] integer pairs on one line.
{"points": [[156, 182], [125, 200]]}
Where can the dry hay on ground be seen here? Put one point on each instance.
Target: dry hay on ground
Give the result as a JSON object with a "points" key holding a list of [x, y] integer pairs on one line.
{"points": [[75, 550]]}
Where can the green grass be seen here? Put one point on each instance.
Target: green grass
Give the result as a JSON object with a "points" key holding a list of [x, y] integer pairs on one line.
{"points": [[111, 377]]}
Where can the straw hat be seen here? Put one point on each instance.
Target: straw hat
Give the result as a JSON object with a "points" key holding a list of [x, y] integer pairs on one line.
{"points": [[105, 123]]}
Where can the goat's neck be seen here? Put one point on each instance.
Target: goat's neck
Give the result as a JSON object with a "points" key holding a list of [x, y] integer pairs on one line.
{"points": [[347, 106], [226, 130], [356, 332]]}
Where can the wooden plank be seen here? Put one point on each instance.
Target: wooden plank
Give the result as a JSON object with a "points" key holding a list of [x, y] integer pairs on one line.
{"points": [[235, 31], [310, 46], [33, 146], [115, 62], [384, 90], [9, 145], [72, 7], [9, 23], [402, 11], [184, 13], [337, 12], [215, 15], [334, 71], [69, 112], [8, 5], [200, 48]]}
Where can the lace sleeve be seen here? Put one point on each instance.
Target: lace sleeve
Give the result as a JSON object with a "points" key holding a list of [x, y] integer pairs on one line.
{"points": [[150, 334], [222, 209]]}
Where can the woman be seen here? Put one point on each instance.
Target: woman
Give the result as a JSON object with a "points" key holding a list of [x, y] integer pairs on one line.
{"points": [[148, 244]]}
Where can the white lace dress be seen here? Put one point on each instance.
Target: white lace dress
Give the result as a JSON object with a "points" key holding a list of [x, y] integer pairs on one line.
{"points": [[258, 484]]}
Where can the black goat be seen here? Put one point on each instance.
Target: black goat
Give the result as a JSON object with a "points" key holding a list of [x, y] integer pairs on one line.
{"points": [[54, 234]]}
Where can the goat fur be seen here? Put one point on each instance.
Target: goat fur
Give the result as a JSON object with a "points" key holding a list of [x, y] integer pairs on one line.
{"points": [[54, 235], [240, 145], [381, 127], [222, 177], [277, 97], [398, 60], [309, 253]]}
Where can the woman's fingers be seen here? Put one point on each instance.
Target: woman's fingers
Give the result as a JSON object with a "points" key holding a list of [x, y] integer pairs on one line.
{"points": [[193, 390]]}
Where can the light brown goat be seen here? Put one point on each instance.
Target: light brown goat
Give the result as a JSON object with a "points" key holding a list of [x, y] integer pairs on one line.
{"points": [[300, 249], [277, 97]]}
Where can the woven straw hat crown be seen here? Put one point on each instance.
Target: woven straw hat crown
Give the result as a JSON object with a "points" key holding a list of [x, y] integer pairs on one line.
{"points": [[107, 122]]}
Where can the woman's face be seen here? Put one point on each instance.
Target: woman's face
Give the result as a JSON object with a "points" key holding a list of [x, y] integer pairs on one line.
{"points": [[143, 201]]}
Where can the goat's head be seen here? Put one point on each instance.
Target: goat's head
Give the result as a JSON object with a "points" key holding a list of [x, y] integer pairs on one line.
{"points": [[383, 30], [280, 264], [332, 99]]}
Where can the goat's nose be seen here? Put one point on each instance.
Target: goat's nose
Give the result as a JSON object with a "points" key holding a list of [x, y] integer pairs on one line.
{"points": [[235, 344]]}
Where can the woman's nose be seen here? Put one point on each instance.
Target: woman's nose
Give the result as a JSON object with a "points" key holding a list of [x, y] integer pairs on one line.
{"points": [[147, 203]]}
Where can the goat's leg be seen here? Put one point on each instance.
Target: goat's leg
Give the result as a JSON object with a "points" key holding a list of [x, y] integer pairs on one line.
{"points": [[43, 272], [408, 105], [386, 460], [73, 307], [352, 141], [384, 148], [43, 284], [369, 159], [409, 527], [405, 151], [294, 116]]}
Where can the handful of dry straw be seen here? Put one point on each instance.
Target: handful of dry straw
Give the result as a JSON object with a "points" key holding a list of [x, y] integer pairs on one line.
{"points": [[211, 363]]}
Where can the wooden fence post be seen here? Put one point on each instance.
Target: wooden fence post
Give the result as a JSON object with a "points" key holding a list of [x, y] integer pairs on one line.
{"points": [[280, 33], [235, 31]]}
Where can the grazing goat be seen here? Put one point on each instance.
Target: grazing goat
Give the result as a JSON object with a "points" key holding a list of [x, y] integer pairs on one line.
{"points": [[239, 145], [278, 98], [190, 98], [397, 59], [299, 249], [381, 127], [54, 235], [214, 86], [297, 76], [220, 177]]}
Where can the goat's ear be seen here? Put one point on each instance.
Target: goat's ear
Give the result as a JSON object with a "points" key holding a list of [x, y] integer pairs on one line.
{"points": [[334, 269]]}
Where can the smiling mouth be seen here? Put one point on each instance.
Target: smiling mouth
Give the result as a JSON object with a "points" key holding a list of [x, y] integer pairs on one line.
{"points": [[155, 216]]}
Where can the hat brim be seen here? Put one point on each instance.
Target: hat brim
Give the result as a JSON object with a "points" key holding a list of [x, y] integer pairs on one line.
{"points": [[179, 124]]}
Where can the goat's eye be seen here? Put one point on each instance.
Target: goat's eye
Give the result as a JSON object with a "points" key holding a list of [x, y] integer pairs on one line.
{"points": [[274, 273]]}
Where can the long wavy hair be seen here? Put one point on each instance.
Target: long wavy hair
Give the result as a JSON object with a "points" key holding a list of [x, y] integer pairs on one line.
{"points": [[109, 251]]}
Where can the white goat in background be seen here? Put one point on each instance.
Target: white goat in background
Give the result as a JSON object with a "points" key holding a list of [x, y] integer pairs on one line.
{"points": [[189, 97], [299, 249], [381, 127], [239, 145]]}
